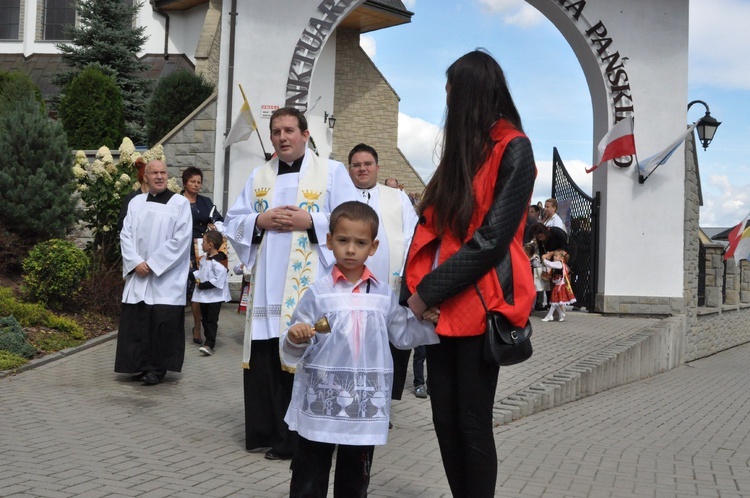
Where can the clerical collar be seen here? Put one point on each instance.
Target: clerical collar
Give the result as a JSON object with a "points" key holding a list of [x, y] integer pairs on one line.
{"points": [[295, 167], [162, 197], [365, 193]]}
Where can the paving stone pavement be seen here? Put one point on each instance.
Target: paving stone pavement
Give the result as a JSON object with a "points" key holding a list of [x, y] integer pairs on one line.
{"points": [[73, 428]]}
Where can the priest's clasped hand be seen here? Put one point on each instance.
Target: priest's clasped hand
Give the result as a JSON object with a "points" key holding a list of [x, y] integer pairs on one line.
{"points": [[285, 219]]}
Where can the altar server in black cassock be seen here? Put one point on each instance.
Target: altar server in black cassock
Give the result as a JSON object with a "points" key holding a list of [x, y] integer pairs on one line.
{"points": [[155, 245]]}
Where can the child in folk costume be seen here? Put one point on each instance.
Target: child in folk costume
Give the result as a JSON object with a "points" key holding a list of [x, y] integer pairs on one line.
{"points": [[562, 294], [344, 368], [211, 287]]}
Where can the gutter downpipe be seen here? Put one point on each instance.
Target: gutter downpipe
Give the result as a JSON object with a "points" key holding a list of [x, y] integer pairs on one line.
{"points": [[166, 28], [230, 85]]}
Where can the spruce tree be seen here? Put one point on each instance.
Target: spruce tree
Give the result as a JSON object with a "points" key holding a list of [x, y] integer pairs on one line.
{"points": [[106, 34], [36, 174]]}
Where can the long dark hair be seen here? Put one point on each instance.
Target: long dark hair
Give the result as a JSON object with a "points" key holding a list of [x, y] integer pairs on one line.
{"points": [[478, 95]]}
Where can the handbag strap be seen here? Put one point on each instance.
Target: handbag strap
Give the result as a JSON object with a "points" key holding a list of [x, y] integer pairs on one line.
{"points": [[486, 310]]}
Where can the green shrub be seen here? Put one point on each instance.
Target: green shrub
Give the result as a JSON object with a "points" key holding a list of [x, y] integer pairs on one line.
{"points": [[36, 176], [17, 85], [54, 271], [174, 98], [13, 338], [28, 315], [54, 341], [65, 325], [9, 361], [91, 110]]}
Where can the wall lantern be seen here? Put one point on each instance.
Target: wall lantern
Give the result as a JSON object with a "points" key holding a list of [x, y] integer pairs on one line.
{"points": [[328, 118], [706, 126]]}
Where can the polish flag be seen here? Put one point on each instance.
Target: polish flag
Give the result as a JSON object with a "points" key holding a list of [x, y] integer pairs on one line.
{"points": [[739, 236], [618, 142]]}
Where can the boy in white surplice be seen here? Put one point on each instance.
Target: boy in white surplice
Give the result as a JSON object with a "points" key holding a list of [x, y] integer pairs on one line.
{"points": [[343, 379]]}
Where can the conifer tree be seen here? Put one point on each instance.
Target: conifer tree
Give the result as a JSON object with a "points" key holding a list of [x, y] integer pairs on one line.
{"points": [[91, 110], [36, 174], [106, 34]]}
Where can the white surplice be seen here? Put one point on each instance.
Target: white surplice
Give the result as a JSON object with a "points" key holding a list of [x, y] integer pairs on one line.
{"points": [[218, 275], [270, 263], [343, 379], [398, 218], [160, 235]]}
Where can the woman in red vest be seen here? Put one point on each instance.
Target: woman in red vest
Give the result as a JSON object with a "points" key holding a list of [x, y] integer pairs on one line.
{"points": [[472, 219]]}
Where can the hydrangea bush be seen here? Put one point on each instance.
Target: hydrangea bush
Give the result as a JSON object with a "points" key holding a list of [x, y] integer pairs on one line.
{"points": [[102, 185]]}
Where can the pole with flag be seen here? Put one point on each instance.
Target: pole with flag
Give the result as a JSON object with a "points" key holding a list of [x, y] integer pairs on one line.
{"points": [[739, 241], [244, 125], [618, 142], [648, 165]]}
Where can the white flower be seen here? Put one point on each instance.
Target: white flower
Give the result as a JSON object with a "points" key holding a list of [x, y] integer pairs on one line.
{"points": [[127, 147], [118, 185], [103, 151], [83, 187], [78, 172], [97, 167], [173, 185], [106, 228], [108, 158], [137, 186], [124, 178]]}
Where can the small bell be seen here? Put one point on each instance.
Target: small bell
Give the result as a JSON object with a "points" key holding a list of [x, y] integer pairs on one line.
{"points": [[322, 326]]}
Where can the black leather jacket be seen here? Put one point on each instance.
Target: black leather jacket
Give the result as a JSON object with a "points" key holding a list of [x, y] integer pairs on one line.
{"points": [[488, 247]]}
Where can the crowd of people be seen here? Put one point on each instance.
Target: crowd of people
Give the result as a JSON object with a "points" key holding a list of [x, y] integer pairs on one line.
{"points": [[346, 276]]}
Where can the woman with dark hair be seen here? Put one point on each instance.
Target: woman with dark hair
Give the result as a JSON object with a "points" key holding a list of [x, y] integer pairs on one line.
{"points": [[470, 241], [205, 217]]}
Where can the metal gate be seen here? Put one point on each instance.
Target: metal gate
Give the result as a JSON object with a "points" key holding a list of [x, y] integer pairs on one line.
{"points": [[583, 231]]}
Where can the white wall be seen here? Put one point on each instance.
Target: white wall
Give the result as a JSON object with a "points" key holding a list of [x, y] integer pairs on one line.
{"points": [[185, 30], [641, 252], [267, 33]]}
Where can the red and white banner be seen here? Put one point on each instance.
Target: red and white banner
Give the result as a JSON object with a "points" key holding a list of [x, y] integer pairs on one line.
{"points": [[618, 142]]}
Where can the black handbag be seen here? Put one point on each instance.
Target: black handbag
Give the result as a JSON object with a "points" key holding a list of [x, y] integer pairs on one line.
{"points": [[505, 344]]}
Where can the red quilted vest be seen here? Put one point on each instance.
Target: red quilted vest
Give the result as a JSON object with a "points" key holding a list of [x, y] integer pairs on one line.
{"points": [[463, 314]]}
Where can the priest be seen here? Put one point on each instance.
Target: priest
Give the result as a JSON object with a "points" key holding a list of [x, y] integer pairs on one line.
{"points": [[155, 246], [398, 219], [278, 228]]}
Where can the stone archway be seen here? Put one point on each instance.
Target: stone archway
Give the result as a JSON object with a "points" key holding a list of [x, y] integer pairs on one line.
{"points": [[634, 53]]}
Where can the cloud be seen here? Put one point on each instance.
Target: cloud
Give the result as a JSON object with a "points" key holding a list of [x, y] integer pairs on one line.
{"points": [[368, 44], [720, 43], [543, 185], [514, 12], [409, 4], [419, 141], [727, 204]]}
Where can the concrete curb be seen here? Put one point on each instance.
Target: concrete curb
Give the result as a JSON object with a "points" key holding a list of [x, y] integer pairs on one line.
{"points": [[655, 350]]}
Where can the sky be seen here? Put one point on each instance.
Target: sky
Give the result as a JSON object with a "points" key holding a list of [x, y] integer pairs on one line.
{"points": [[443, 30]]}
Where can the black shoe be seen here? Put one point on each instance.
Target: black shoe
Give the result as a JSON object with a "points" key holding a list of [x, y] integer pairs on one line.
{"points": [[197, 341], [153, 377], [275, 455], [139, 377]]}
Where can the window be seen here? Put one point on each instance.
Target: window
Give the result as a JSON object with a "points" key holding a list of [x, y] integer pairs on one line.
{"points": [[10, 15], [57, 15]]}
